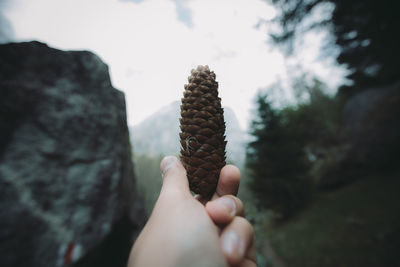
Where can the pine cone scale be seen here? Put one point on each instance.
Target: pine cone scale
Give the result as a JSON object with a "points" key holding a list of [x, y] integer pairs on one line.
{"points": [[202, 134]]}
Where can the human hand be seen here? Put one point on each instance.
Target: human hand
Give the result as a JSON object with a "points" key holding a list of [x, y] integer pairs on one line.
{"points": [[182, 231]]}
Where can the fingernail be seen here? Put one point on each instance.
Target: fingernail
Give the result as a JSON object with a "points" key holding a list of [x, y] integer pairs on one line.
{"points": [[231, 244], [228, 203], [167, 163]]}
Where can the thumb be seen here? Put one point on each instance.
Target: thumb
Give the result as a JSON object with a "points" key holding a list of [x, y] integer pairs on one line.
{"points": [[174, 177]]}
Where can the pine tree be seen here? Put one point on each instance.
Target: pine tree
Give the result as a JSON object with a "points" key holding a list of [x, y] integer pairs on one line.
{"points": [[366, 32], [276, 162]]}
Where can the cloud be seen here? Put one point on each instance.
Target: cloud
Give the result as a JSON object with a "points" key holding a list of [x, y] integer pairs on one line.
{"points": [[6, 30], [134, 1], [150, 51], [184, 14]]}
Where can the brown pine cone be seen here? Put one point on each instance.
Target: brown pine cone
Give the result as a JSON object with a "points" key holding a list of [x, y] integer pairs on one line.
{"points": [[203, 132]]}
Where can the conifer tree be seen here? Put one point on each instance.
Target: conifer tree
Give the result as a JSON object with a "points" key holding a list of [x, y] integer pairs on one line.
{"points": [[366, 31], [276, 162]]}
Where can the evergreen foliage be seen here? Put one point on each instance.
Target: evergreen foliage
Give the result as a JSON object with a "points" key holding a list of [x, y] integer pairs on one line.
{"points": [[148, 176], [277, 163], [365, 30], [279, 158]]}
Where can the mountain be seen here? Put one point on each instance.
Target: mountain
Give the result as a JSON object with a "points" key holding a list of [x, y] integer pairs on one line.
{"points": [[159, 134]]}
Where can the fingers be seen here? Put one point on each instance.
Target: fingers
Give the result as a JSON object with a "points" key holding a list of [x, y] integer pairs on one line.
{"points": [[174, 177], [224, 209], [248, 263], [228, 183], [237, 242]]}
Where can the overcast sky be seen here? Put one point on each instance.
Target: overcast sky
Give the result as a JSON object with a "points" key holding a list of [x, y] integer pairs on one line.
{"points": [[151, 45]]}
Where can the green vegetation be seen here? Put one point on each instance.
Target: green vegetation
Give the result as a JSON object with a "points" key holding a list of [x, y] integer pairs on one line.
{"points": [[277, 163], [317, 195], [148, 177], [282, 158], [365, 31], [358, 225]]}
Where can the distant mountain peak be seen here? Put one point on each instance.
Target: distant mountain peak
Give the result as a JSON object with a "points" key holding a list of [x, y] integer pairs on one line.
{"points": [[159, 134]]}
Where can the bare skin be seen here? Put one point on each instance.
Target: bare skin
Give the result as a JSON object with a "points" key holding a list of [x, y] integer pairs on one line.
{"points": [[185, 231]]}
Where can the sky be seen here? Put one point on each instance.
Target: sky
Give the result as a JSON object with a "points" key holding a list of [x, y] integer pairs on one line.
{"points": [[150, 46]]}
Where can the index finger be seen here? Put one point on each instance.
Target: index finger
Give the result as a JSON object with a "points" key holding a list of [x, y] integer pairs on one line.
{"points": [[228, 183]]}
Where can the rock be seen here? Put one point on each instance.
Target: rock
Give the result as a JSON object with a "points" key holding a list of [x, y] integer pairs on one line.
{"points": [[66, 176], [369, 141], [359, 107], [371, 120]]}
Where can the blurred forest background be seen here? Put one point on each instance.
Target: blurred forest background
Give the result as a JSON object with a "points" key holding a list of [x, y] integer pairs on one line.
{"points": [[320, 176]]}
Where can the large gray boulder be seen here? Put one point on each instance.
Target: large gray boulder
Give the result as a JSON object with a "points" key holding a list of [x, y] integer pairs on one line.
{"points": [[371, 120], [369, 141], [67, 190]]}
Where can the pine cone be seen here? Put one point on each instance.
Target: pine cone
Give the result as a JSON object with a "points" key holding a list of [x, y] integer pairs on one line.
{"points": [[203, 132]]}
